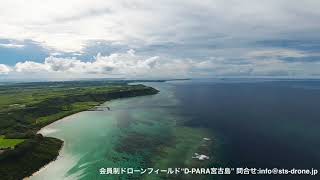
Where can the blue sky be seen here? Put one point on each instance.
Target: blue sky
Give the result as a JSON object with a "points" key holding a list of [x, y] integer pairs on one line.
{"points": [[169, 38]]}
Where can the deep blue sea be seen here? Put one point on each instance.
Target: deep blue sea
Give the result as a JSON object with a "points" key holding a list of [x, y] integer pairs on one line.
{"points": [[259, 123]]}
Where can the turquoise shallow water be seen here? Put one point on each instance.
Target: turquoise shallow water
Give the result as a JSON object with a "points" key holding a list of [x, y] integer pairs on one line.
{"points": [[116, 138]]}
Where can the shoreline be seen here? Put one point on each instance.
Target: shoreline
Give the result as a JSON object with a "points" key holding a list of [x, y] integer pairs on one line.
{"points": [[71, 113], [43, 167], [155, 91], [59, 152]]}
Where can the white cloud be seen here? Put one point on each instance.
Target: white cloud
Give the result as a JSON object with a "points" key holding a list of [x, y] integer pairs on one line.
{"points": [[277, 53], [133, 65], [4, 69], [68, 25], [9, 45], [30, 67], [126, 64]]}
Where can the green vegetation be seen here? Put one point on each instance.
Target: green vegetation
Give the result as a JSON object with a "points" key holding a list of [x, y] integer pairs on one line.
{"points": [[9, 143], [28, 157], [27, 107]]}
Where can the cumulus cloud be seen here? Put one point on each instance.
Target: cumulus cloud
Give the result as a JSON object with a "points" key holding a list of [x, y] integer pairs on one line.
{"points": [[4, 69], [122, 64], [132, 65], [30, 67]]}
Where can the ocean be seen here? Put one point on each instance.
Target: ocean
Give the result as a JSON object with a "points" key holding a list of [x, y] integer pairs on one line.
{"points": [[260, 123], [253, 123]]}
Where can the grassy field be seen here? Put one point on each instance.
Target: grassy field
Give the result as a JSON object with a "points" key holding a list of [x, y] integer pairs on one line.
{"points": [[9, 143]]}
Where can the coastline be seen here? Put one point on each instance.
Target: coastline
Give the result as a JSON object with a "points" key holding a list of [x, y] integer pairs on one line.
{"points": [[43, 167], [187, 142], [71, 114]]}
